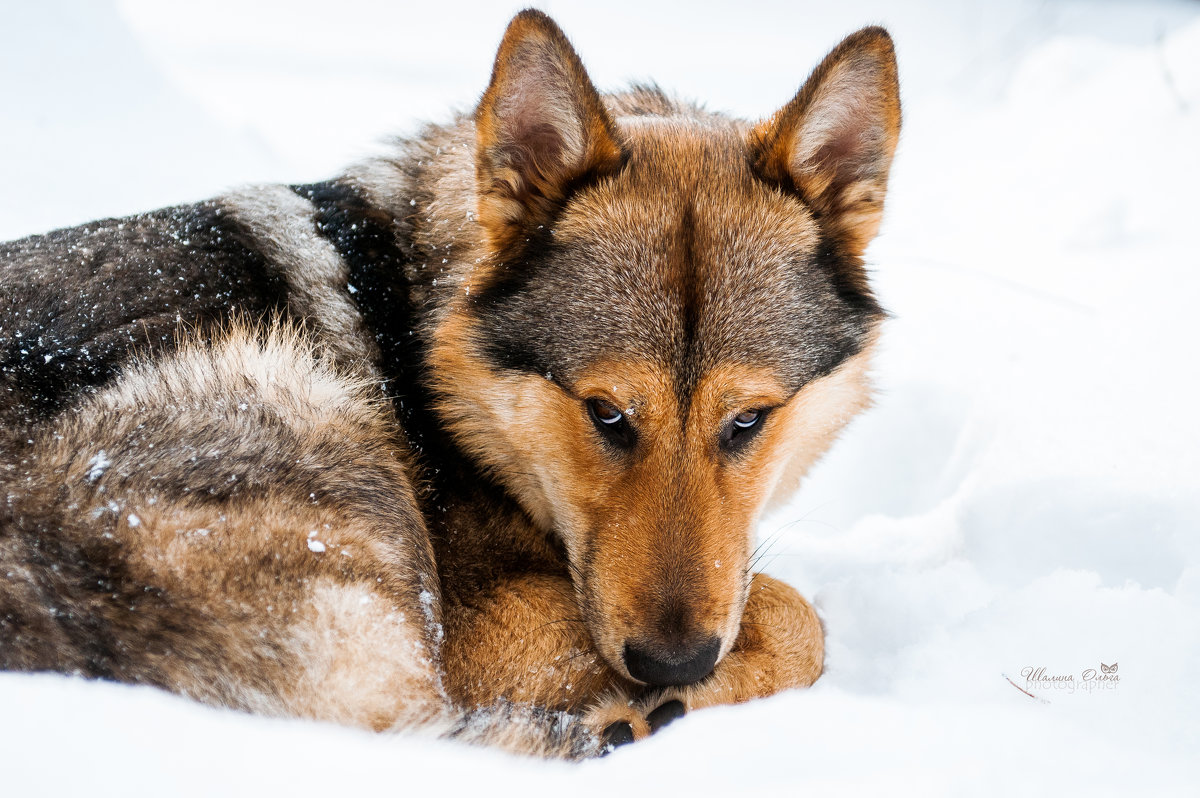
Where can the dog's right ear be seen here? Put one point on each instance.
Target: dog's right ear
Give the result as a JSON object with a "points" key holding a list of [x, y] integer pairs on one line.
{"points": [[539, 129], [834, 141]]}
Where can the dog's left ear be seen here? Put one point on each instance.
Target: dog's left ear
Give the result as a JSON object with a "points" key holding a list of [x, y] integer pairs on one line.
{"points": [[833, 143], [540, 129]]}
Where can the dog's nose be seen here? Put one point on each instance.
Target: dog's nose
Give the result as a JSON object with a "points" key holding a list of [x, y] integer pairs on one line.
{"points": [[661, 667]]}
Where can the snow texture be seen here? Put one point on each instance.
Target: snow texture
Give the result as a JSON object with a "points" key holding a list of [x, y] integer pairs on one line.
{"points": [[97, 466], [1023, 496]]}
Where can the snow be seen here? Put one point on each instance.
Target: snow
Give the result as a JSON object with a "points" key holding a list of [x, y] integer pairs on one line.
{"points": [[1022, 497], [97, 466]]}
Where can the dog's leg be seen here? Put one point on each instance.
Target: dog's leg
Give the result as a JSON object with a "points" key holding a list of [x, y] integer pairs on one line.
{"points": [[781, 645], [525, 642]]}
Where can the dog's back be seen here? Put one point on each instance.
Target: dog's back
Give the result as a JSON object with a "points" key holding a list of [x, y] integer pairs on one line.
{"points": [[234, 522], [75, 304], [246, 479]]}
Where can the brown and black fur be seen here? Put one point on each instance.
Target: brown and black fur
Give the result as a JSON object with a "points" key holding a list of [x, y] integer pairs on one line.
{"points": [[336, 450]]}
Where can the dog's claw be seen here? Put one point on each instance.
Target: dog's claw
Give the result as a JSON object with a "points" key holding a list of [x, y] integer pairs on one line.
{"points": [[665, 714], [617, 734]]}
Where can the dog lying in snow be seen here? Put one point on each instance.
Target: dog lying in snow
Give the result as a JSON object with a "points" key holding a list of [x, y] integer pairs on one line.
{"points": [[471, 439]]}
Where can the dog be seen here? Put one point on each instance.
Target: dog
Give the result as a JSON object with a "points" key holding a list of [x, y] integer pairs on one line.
{"points": [[469, 441]]}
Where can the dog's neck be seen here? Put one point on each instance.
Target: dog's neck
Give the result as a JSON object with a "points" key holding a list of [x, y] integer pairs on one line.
{"points": [[407, 251]]}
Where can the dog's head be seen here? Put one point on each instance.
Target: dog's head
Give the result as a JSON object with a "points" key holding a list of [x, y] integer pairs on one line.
{"points": [[670, 324]]}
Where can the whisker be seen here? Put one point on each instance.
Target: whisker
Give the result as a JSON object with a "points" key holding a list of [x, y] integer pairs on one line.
{"points": [[580, 653], [554, 623]]}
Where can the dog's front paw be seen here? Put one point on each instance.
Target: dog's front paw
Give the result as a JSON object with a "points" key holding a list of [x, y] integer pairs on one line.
{"points": [[781, 645], [619, 719]]}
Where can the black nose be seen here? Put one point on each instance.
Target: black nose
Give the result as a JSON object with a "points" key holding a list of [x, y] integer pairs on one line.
{"points": [[664, 668]]}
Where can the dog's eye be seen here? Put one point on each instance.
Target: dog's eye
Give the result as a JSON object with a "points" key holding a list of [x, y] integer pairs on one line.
{"points": [[747, 418], [605, 412], [744, 426], [612, 424]]}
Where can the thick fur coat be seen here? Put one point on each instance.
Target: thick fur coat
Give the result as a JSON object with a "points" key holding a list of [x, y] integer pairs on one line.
{"points": [[470, 440]]}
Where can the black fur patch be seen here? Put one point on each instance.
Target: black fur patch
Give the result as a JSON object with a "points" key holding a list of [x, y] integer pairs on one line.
{"points": [[365, 237], [848, 277], [453, 486], [76, 303], [513, 278]]}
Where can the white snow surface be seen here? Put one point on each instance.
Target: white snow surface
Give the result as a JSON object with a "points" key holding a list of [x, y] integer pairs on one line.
{"points": [[1024, 494]]}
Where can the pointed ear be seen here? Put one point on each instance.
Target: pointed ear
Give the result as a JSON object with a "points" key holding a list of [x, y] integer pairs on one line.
{"points": [[539, 129], [833, 143]]}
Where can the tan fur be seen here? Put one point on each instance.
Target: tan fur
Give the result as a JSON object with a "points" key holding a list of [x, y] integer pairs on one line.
{"points": [[836, 139], [781, 645], [185, 548], [525, 643], [619, 526], [275, 538], [563, 479], [535, 87], [541, 615], [806, 426]]}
